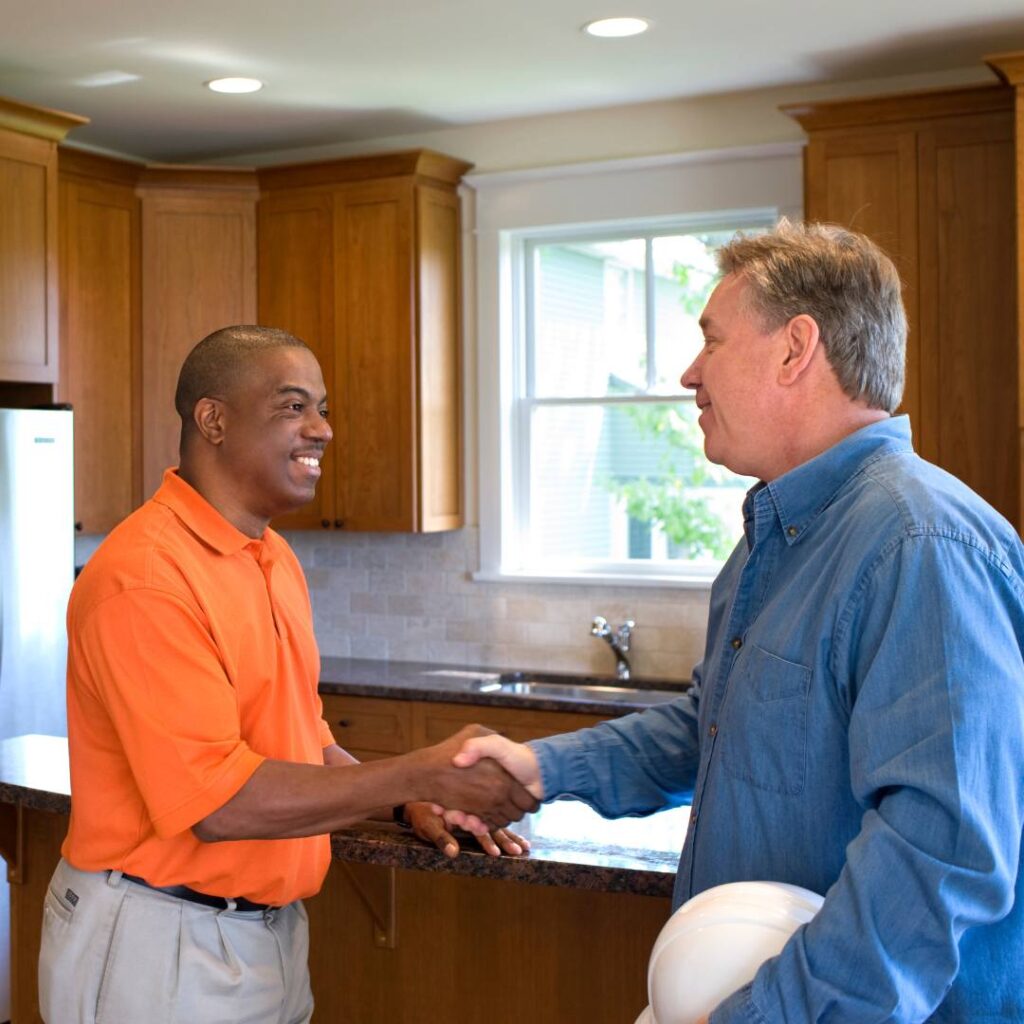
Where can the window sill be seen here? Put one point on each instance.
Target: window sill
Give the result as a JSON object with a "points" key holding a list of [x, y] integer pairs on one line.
{"points": [[596, 579]]}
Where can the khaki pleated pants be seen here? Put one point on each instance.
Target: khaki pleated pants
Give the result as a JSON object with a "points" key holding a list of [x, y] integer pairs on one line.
{"points": [[114, 952]]}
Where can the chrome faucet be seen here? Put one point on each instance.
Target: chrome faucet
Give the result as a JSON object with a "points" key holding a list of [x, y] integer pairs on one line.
{"points": [[618, 641]]}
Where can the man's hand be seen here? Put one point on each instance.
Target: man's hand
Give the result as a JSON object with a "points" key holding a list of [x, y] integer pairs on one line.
{"points": [[429, 822], [516, 758], [483, 788]]}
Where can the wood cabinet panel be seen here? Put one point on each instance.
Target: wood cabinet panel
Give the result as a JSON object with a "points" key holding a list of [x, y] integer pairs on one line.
{"points": [[384, 232], [199, 274], [968, 312], [99, 328], [41, 836], [504, 951], [868, 182], [296, 293], [439, 380], [387, 726], [375, 365], [433, 723], [931, 179], [369, 724], [28, 268]]}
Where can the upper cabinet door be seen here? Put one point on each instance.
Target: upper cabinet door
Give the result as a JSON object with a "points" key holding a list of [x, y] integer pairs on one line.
{"points": [[198, 274], [376, 356], [28, 240], [296, 293], [99, 227], [439, 382], [968, 309], [28, 329], [867, 181]]}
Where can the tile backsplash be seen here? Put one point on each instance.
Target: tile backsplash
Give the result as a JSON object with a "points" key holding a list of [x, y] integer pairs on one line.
{"points": [[412, 597]]}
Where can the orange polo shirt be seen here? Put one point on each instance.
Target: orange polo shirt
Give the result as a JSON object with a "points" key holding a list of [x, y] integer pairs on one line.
{"points": [[191, 658]]}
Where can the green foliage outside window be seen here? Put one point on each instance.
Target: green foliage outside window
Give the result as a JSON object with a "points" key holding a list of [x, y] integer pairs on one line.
{"points": [[672, 499]]}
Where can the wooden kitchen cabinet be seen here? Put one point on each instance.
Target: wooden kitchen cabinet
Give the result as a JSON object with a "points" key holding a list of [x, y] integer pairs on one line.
{"points": [[930, 177], [28, 240], [1010, 68], [198, 275], [99, 317], [373, 727], [360, 259], [369, 727], [435, 722]]}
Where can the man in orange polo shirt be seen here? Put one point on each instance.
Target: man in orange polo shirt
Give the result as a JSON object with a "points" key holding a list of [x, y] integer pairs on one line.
{"points": [[204, 780]]}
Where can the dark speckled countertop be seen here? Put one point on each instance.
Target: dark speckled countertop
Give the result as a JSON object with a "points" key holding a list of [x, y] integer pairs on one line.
{"points": [[459, 684], [572, 846]]}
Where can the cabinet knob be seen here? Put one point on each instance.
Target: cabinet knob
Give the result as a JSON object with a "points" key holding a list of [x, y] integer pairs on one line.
{"points": [[344, 723], [325, 523], [339, 524], [78, 527]]}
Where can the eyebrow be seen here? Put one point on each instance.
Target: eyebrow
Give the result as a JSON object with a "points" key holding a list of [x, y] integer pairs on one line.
{"points": [[294, 389], [704, 322]]}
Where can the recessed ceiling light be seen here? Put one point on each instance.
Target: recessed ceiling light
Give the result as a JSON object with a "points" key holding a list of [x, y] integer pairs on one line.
{"points": [[614, 28], [235, 85]]}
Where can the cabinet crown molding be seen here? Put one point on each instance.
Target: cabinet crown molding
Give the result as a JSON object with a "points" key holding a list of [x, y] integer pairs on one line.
{"points": [[425, 164], [900, 107], [41, 122], [1008, 66]]}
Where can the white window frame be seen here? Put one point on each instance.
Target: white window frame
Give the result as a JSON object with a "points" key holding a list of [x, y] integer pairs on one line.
{"points": [[631, 196]]}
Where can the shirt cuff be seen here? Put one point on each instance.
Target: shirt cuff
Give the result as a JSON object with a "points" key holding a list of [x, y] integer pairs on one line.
{"points": [[739, 1008], [563, 769]]}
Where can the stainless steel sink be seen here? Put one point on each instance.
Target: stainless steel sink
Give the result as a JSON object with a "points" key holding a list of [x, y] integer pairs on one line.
{"points": [[555, 687]]}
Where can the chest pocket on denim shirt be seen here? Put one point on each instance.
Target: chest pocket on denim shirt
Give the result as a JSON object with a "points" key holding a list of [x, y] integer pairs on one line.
{"points": [[763, 734]]}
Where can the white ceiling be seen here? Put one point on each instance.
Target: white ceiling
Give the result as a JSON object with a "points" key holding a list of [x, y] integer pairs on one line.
{"points": [[346, 70]]}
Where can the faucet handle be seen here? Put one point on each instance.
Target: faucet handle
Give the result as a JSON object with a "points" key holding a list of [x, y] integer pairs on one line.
{"points": [[625, 631], [600, 627]]}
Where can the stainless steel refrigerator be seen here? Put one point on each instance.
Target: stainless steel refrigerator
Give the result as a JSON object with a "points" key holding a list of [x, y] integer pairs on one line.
{"points": [[37, 558]]}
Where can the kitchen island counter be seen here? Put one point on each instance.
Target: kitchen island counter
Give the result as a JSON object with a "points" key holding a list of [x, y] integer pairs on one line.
{"points": [[572, 846], [564, 933]]}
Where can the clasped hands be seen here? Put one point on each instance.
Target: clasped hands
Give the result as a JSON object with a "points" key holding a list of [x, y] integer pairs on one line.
{"points": [[480, 782]]}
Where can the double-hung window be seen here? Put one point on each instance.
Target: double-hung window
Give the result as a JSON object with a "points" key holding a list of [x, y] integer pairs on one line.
{"points": [[607, 474]]}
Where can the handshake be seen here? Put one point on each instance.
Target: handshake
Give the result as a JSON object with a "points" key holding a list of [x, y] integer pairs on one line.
{"points": [[478, 781]]}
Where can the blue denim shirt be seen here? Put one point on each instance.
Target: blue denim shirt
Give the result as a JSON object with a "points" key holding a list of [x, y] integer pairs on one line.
{"points": [[856, 727]]}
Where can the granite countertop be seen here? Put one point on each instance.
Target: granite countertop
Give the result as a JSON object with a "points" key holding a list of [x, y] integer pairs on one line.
{"points": [[461, 684], [572, 846]]}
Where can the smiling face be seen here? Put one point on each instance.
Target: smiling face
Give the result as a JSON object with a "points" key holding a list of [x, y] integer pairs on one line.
{"points": [[275, 432], [735, 376]]}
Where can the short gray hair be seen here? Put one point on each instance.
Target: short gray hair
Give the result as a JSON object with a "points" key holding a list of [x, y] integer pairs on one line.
{"points": [[846, 284]]}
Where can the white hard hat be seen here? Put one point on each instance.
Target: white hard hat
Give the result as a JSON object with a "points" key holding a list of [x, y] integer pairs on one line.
{"points": [[714, 944]]}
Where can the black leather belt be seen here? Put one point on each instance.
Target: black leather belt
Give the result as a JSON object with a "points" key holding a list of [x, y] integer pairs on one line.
{"points": [[183, 892]]}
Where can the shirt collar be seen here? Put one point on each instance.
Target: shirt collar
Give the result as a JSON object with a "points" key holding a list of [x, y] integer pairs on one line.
{"points": [[803, 493], [200, 516]]}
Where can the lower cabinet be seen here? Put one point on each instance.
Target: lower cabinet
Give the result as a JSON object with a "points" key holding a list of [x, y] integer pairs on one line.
{"points": [[477, 950], [380, 727], [493, 952], [389, 945]]}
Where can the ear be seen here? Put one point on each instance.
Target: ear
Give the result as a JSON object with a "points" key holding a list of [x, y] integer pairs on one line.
{"points": [[209, 419], [802, 338]]}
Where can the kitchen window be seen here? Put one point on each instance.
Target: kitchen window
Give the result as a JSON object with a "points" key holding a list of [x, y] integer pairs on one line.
{"points": [[607, 474]]}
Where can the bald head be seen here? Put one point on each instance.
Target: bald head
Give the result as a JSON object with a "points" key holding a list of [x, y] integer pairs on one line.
{"points": [[214, 368]]}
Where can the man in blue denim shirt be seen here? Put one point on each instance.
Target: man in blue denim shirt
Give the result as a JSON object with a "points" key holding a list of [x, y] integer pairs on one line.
{"points": [[856, 726]]}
